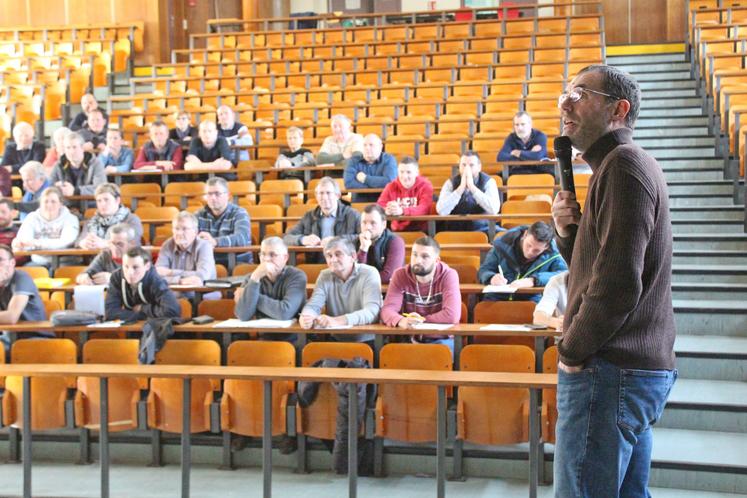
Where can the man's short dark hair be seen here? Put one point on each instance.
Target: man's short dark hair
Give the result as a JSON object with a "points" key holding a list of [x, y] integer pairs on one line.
{"points": [[7, 249], [541, 231], [428, 242], [620, 85], [375, 208], [472, 153], [408, 160], [139, 252], [7, 202]]}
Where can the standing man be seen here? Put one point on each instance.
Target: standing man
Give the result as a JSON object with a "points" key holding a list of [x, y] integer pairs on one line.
{"points": [[616, 365], [223, 223]]}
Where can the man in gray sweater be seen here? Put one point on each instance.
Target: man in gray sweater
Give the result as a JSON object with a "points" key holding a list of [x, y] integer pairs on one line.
{"points": [[272, 290], [616, 365], [350, 291]]}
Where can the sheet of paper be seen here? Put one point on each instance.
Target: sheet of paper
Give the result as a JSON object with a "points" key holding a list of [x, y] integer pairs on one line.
{"points": [[334, 327], [433, 326], [506, 326], [505, 289], [112, 324], [89, 298], [261, 323], [180, 286]]}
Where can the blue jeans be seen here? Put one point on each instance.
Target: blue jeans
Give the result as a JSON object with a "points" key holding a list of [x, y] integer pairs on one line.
{"points": [[603, 435]]}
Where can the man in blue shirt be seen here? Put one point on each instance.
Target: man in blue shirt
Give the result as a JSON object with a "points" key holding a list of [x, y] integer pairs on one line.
{"points": [[525, 144], [374, 170]]}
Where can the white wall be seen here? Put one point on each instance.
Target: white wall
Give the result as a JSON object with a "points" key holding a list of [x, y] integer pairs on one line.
{"points": [[318, 6], [417, 5]]}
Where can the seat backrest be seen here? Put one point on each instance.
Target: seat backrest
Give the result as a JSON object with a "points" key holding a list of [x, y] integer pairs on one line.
{"points": [[220, 309], [69, 271], [415, 356], [244, 269], [34, 271], [509, 312], [297, 210], [178, 188], [43, 351], [312, 270], [243, 188], [550, 360], [496, 358], [290, 185], [189, 352], [447, 237], [410, 237], [266, 211], [467, 273], [316, 351], [516, 182], [534, 211], [51, 306], [117, 351], [261, 354], [128, 189], [186, 307]]}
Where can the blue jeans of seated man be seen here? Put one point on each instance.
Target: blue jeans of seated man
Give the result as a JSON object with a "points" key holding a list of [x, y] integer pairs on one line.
{"points": [[603, 435]]}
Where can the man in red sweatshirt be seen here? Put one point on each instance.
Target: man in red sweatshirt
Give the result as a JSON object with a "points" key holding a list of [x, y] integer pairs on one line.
{"points": [[409, 195], [425, 291]]}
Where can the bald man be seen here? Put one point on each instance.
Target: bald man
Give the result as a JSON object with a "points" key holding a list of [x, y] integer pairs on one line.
{"points": [[375, 169], [208, 151]]}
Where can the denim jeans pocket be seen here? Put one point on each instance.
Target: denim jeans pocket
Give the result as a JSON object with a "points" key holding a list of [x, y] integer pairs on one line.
{"points": [[643, 394]]}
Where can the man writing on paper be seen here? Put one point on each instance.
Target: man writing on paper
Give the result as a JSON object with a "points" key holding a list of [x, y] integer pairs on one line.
{"points": [[273, 290], [350, 291], [426, 290], [616, 365], [522, 257]]}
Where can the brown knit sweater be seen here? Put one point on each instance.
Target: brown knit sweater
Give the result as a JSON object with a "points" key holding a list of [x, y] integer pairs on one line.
{"points": [[619, 287]]}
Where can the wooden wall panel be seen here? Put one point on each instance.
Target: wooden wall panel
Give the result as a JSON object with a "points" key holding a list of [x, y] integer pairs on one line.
{"points": [[648, 21], [676, 20], [45, 12], [12, 13], [644, 21], [616, 22], [87, 12]]}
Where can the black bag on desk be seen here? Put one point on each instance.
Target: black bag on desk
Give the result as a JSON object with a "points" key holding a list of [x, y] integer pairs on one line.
{"points": [[155, 333]]}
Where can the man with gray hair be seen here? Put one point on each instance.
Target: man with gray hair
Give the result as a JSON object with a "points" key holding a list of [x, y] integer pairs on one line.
{"points": [[34, 183], [372, 170], [616, 359], [22, 149], [184, 258], [223, 223], [525, 144], [330, 218], [273, 290], [120, 238], [350, 292]]}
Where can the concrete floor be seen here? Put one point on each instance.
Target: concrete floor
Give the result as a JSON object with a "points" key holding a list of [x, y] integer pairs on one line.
{"points": [[69, 480]]}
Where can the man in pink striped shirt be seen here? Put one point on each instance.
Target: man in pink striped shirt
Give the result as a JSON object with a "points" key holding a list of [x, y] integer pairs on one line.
{"points": [[425, 291]]}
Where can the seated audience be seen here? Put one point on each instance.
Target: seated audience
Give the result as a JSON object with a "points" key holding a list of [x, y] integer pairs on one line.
{"points": [[469, 192], [522, 257], [22, 149], [209, 151], [295, 156], [116, 157], [408, 195], [184, 132], [137, 292], [57, 150], [377, 245], [34, 183], [94, 133], [77, 172], [185, 259], [109, 212], [19, 298], [372, 170], [330, 218], [550, 310], [119, 239], [8, 229], [349, 292], [52, 226], [273, 290], [525, 144], [160, 151], [342, 144], [425, 291], [223, 223], [88, 103], [234, 132]]}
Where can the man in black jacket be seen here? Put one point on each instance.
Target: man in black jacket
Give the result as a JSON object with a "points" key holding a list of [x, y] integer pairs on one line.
{"points": [[137, 292], [22, 149]]}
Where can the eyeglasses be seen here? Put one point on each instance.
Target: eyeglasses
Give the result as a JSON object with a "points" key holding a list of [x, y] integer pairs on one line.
{"points": [[578, 93]]}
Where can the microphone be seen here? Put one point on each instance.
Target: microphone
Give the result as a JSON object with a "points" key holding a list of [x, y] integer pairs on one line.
{"points": [[563, 152]]}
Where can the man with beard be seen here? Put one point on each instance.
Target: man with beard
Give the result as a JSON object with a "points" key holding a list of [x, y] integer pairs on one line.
{"points": [[425, 291]]}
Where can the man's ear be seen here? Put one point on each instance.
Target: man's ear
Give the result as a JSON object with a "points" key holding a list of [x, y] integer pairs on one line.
{"points": [[622, 108]]}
